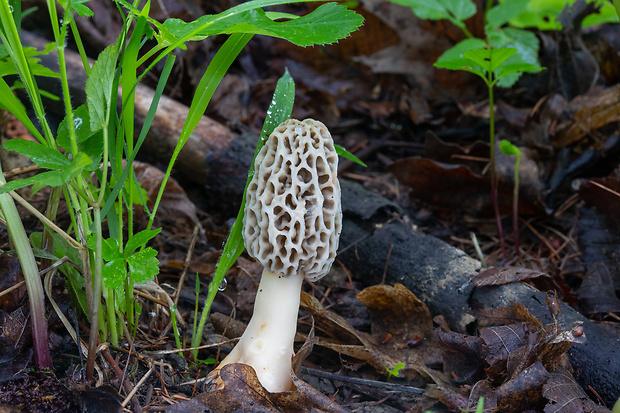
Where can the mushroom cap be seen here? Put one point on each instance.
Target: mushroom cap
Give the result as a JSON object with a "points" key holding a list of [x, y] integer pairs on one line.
{"points": [[293, 218]]}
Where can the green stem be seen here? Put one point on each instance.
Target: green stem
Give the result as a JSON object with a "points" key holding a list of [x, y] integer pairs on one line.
{"points": [[109, 303], [515, 206], [494, 182]]}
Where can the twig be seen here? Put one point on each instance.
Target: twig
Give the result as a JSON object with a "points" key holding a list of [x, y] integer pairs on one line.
{"points": [[188, 259], [137, 386], [362, 382]]}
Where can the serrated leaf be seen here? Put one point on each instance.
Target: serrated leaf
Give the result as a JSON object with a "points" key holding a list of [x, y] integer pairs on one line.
{"points": [[456, 51], [461, 9], [520, 68], [458, 10], [425, 9], [109, 249], [51, 178], [503, 12], [329, 23], [508, 148], [41, 155], [99, 87], [467, 65], [143, 265], [489, 59], [114, 273], [7, 67], [524, 41], [140, 239], [89, 142]]}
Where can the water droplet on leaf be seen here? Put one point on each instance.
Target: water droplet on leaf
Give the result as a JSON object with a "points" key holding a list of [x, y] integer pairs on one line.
{"points": [[223, 285]]}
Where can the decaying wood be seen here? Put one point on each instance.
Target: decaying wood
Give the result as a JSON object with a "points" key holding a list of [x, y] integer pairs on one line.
{"points": [[433, 270], [439, 275]]}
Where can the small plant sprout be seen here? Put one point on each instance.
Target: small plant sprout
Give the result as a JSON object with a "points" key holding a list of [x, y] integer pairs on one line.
{"points": [[394, 371], [294, 173], [509, 149], [490, 65]]}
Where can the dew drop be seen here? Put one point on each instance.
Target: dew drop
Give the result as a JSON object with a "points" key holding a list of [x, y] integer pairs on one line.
{"points": [[10, 8], [223, 285]]}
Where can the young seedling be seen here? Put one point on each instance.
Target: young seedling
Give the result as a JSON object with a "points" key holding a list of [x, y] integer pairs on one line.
{"points": [[509, 149], [395, 371], [490, 65]]}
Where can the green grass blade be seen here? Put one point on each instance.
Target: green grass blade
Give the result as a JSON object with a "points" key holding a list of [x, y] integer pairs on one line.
{"points": [[148, 121], [206, 87]]}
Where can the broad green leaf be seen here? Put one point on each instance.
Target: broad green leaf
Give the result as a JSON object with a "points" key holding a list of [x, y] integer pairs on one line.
{"points": [[426, 9], [109, 249], [454, 10], [348, 155], [140, 239], [524, 41], [89, 142], [79, 7], [7, 66], [461, 9], [507, 70], [508, 148], [542, 15], [455, 53], [467, 65], [489, 59], [503, 12], [143, 265], [607, 14], [327, 24], [99, 87], [50, 178], [114, 274], [41, 155]]}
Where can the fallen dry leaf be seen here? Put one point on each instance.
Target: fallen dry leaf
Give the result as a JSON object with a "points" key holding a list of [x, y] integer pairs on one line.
{"points": [[565, 395], [597, 293], [344, 339], [397, 311], [505, 275]]}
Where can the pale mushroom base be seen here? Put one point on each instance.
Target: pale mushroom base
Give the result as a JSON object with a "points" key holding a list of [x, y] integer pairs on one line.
{"points": [[267, 343]]}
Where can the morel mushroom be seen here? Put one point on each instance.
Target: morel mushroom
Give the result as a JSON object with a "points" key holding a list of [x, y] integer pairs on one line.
{"points": [[292, 221]]}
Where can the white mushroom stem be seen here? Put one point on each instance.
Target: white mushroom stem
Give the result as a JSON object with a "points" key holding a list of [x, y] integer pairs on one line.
{"points": [[267, 343]]}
